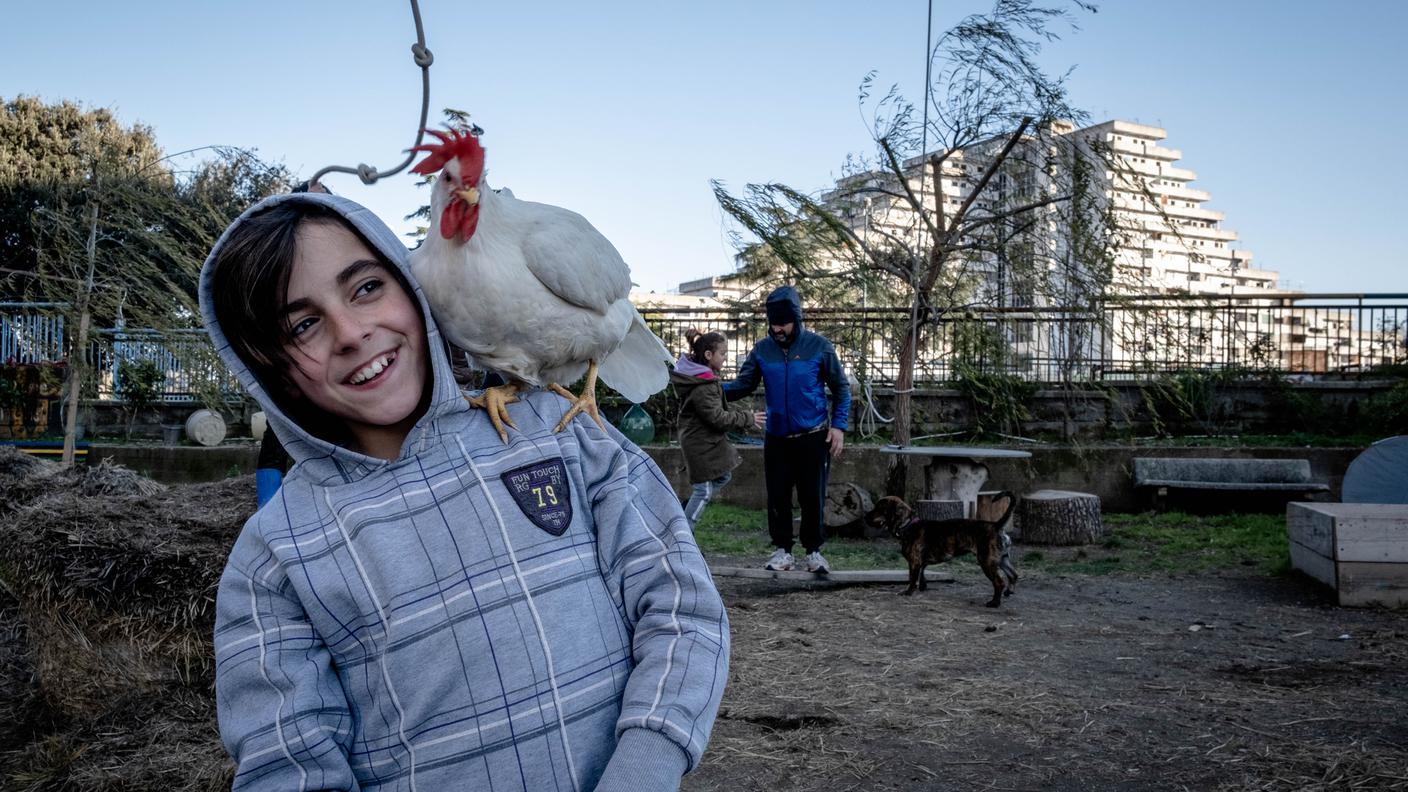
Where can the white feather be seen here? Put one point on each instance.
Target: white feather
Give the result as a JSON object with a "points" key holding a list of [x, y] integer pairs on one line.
{"points": [[637, 367]]}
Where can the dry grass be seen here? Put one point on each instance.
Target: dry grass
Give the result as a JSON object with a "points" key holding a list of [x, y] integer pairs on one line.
{"points": [[112, 579]]}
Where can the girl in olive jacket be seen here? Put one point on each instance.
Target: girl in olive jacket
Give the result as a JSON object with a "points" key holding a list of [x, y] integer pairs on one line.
{"points": [[706, 419]]}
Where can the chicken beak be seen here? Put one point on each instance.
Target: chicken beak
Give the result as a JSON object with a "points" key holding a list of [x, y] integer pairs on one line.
{"points": [[469, 195]]}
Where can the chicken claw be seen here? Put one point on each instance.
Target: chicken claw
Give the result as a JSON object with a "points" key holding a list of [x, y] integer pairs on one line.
{"points": [[585, 403], [495, 401]]}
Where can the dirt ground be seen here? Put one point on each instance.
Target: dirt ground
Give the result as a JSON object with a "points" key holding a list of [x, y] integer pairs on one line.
{"points": [[1214, 682], [1078, 683]]}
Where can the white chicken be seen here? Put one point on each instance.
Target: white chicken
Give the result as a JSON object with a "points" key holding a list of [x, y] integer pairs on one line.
{"points": [[529, 290]]}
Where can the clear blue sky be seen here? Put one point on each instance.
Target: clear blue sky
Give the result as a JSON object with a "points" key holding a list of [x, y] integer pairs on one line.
{"points": [[1291, 112]]}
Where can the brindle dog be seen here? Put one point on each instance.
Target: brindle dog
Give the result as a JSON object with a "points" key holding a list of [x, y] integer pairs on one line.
{"points": [[925, 542]]}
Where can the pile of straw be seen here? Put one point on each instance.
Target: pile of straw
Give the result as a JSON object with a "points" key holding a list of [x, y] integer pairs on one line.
{"points": [[113, 579]]}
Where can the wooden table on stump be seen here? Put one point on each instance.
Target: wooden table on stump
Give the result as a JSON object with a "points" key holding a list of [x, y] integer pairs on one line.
{"points": [[953, 477], [1058, 517]]}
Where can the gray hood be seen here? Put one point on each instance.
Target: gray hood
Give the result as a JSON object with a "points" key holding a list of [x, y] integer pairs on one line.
{"points": [[314, 457]]}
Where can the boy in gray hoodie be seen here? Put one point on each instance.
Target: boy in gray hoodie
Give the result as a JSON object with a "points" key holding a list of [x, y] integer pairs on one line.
{"points": [[420, 605]]}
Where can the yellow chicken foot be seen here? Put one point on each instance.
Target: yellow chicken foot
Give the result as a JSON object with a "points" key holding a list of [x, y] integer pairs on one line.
{"points": [[495, 401], [585, 403]]}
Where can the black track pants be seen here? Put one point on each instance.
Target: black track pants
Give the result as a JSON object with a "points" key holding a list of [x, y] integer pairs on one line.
{"points": [[801, 463]]}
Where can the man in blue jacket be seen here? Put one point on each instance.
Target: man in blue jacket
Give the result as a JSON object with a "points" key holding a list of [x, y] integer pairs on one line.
{"points": [[803, 431]]}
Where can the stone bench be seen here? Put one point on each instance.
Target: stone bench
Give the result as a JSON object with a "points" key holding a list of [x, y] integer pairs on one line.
{"points": [[1358, 549], [1287, 476]]}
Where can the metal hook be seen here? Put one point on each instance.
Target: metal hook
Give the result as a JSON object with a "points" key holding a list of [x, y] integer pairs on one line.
{"points": [[423, 58]]}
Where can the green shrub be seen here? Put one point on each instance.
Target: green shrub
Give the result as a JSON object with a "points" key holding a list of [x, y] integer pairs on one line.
{"points": [[1388, 412], [139, 385]]}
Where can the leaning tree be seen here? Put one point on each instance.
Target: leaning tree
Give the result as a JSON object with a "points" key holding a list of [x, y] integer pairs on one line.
{"points": [[112, 229], [990, 193]]}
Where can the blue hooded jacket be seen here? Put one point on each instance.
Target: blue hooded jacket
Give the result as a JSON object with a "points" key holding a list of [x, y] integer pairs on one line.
{"points": [[795, 377]]}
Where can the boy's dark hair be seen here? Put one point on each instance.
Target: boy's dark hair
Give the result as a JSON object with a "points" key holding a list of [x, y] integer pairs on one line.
{"points": [[701, 342], [249, 279]]}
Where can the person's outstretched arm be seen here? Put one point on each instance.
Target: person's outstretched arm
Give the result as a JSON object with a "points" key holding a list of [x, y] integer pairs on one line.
{"points": [[749, 374], [709, 404]]}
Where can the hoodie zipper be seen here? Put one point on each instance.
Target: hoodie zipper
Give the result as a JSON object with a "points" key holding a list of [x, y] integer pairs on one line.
{"points": [[787, 387]]}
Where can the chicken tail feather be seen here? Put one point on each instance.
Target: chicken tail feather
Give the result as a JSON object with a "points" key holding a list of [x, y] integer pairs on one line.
{"points": [[639, 366]]}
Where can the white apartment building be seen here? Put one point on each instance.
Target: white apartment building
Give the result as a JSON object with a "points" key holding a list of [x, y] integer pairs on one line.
{"points": [[1170, 242], [1167, 243], [1173, 244]]}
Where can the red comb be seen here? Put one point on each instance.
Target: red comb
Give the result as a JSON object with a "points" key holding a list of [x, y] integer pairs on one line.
{"points": [[455, 144]]}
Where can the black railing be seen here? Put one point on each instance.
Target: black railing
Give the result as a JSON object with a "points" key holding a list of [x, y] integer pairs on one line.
{"points": [[1112, 339], [1122, 338]]}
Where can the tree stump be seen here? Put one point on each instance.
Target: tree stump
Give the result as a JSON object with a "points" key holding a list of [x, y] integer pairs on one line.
{"points": [[990, 508], [846, 504], [1058, 517], [942, 510]]}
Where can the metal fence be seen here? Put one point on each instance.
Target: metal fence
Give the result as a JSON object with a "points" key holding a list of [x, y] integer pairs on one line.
{"points": [[35, 333], [1128, 338], [28, 334], [186, 358]]}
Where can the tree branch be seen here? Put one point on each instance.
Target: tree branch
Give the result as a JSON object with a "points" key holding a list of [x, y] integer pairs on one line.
{"points": [[898, 171], [989, 219]]}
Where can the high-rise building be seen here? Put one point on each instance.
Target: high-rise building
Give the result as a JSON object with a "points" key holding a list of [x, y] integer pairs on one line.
{"points": [[1161, 240], [1172, 242], [1167, 241]]}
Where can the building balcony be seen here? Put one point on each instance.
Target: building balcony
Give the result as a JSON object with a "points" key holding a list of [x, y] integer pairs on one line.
{"points": [[1124, 202], [1180, 192], [1142, 147], [1155, 169]]}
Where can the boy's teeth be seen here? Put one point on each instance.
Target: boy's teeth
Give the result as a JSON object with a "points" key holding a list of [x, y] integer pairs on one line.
{"points": [[375, 368]]}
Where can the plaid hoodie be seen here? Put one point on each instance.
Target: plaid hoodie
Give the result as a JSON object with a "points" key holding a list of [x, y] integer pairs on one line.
{"points": [[470, 615]]}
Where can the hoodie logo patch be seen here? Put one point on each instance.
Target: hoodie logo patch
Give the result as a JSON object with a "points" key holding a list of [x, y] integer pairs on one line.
{"points": [[543, 494]]}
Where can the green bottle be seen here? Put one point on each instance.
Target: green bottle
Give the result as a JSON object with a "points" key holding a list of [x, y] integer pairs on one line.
{"points": [[637, 425]]}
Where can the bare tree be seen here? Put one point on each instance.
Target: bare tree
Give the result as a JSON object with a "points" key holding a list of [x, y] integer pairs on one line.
{"points": [[989, 194], [128, 240]]}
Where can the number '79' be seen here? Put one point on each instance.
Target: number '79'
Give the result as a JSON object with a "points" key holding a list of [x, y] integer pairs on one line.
{"points": [[551, 496]]}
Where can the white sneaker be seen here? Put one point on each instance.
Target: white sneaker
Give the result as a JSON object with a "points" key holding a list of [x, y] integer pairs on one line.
{"points": [[781, 561], [815, 563]]}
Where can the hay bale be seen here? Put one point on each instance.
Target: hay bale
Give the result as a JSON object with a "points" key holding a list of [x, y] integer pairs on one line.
{"points": [[21, 712], [114, 576], [24, 478], [16, 465], [118, 588], [169, 743]]}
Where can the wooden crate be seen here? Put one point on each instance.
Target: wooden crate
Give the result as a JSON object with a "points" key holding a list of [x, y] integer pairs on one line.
{"points": [[1358, 549]]}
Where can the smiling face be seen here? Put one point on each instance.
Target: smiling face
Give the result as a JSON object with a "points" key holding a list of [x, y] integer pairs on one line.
{"points": [[355, 338]]}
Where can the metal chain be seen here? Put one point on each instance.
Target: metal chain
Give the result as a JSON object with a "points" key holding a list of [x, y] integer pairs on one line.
{"points": [[423, 58]]}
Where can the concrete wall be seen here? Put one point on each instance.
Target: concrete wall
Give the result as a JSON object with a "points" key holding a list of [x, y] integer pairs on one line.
{"points": [[1103, 470], [180, 464], [1119, 411], [1106, 471], [1126, 410]]}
